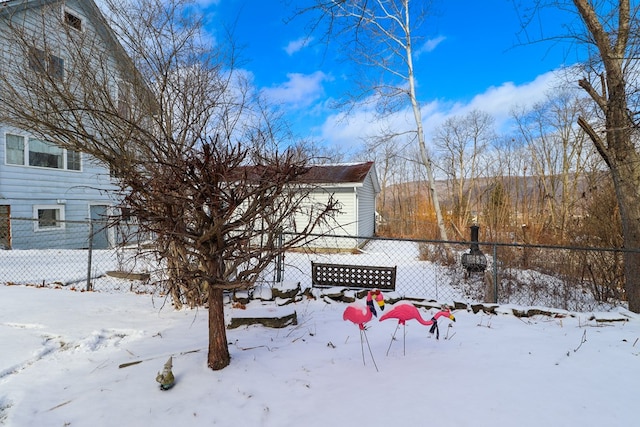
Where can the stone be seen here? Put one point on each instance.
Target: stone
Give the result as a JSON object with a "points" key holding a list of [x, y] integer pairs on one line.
{"points": [[268, 318]]}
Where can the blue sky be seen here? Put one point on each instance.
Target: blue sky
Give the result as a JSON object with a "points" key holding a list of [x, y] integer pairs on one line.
{"points": [[474, 58]]}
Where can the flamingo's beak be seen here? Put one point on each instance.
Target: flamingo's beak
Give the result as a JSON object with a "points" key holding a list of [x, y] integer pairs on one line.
{"points": [[452, 318], [372, 308]]}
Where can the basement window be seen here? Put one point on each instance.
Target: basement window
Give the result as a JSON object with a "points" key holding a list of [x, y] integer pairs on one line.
{"points": [[48, 217], [73, 21]]}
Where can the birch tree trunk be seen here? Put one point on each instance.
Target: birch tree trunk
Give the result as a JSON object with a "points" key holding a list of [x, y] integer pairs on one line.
{"points": [[376, 35], [417, 114]]}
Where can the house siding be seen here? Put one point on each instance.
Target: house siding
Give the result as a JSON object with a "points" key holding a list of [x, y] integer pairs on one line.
{"points": [[24, 188]]}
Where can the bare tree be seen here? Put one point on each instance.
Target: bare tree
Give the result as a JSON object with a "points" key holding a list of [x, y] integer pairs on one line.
{"points": [[379, 36], [508, 166], [558, 154], [608, 34], [194, 150], [462, 141], [384, 151]]}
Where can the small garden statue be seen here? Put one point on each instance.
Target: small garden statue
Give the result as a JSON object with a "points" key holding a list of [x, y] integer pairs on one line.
{"points": [[165, 378]]}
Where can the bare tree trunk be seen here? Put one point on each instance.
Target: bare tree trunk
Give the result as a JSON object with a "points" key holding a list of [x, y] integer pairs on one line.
{"points": [[218, 357], [617, 148], [626, 178]]}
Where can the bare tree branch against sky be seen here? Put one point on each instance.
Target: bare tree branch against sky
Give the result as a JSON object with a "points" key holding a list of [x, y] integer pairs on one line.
{"points": [[474, 56]]}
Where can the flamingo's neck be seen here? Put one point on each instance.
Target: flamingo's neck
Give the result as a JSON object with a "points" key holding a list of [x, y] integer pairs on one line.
{"points": [[422, 321]]}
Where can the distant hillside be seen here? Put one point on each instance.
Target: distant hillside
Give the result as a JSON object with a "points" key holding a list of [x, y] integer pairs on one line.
{"points": [[530, 186]]}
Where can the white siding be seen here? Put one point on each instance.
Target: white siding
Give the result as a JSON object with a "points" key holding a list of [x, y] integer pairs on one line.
{"points": [[356, 217], [366, 208]]}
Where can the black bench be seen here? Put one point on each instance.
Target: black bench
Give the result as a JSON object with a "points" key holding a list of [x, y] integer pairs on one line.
{"points": [[353, 276]]}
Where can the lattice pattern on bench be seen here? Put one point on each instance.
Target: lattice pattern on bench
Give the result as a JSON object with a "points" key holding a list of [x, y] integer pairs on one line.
{"points": [[353, 276]]}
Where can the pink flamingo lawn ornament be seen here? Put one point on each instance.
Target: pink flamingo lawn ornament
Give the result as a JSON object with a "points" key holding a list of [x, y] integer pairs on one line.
{"points": [[407, 311], [360, 315]]}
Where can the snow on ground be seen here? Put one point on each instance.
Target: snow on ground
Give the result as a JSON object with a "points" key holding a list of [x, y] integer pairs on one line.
{"points": [[62, 352], [72, 358]]}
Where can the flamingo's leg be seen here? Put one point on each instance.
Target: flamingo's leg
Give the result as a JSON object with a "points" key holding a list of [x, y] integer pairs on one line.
{"points": [[362, 346], [370, 352], [392, 338], [404, 339]]}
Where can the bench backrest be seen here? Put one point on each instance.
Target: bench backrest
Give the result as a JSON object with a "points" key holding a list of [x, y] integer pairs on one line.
{"points": [[353, 276]]}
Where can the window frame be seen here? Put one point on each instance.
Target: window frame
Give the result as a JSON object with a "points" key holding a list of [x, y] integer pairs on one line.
{"points": [[6, 149], [41, 158], [59, 220], [43, 62], [67, 161], [72, 20], [66, 155]]}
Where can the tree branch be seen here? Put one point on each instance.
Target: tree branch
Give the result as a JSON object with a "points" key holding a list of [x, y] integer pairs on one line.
{"points": [[599, 99], [595, 138]]}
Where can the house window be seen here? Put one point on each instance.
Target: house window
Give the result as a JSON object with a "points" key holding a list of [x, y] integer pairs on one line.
{"points": [[125, 92], [44, 154], [73, 21], [48, 217], [73, 160], [15, 149], [37, 60], [42, 63], [56, 67], [34, 152]]}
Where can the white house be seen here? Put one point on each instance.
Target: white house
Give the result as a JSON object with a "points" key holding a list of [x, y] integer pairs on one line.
{"points": [[355, 186], [44, 188]]}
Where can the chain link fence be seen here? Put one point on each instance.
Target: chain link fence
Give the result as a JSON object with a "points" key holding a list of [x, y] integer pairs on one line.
{"points": [[571, 278], [78, 255]]}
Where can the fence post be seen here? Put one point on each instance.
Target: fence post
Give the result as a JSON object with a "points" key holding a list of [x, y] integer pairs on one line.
{"points": [[495, 273], [89, 286], [279, 260]]}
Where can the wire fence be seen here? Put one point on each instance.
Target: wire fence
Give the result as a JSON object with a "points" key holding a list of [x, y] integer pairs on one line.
{"points": [[79, 255], [571, 278]]}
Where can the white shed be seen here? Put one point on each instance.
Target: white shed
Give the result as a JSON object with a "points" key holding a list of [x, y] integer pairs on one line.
{"points": [[355, 186]]}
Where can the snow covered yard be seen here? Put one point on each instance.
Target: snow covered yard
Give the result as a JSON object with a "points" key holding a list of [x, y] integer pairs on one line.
{"points": [[62, 352]]}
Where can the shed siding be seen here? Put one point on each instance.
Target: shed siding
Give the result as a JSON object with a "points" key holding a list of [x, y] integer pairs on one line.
{"points": [[366, 208], [357, 213]]}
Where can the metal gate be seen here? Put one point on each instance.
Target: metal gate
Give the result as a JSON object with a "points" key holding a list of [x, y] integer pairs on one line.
{"points": [[99, 217], [5, 227]]}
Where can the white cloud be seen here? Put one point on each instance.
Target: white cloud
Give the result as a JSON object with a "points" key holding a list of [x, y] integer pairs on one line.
{"points": [[300, 90], [298, 44], [348, 132], [429, 46], [499, 102]]}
